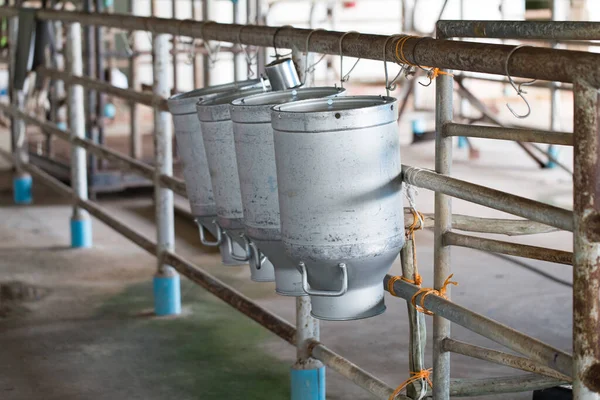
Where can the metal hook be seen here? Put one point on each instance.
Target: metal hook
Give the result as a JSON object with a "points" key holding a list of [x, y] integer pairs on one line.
{"points": [[310, 69], [518, 88], [249, 59], [390, 86], [345, 78], [277, 55], [212, 54], [192, 53]]}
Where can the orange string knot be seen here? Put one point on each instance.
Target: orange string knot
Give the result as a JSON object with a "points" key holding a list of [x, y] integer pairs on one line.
{"points": [[427, 291], [435, 72], [414, 376]]}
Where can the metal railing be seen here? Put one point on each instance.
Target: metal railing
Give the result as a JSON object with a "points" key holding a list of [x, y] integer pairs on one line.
{"points": [[547, 365]]}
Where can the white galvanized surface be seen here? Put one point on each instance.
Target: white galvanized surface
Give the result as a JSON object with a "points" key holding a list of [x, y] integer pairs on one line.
{"points": [[340, 196]]}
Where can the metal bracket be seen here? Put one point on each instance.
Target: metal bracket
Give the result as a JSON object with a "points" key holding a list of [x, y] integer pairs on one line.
{"points": [[203, 240], [325, 293]]}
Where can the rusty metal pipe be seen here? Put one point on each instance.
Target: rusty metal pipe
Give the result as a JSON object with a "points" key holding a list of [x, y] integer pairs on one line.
{"points": [[496, 199], [148, 99], [535, 63], [493, 330], [586, 245], [125, 162], [353, 372], [512, 249], [522, 135], [542, 30], [503, 384], [501, 358]]}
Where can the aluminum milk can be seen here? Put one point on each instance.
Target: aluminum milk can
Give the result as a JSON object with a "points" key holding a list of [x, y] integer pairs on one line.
{"points": [[255, 154], [340, 198], [191, 151], [217, 132]]}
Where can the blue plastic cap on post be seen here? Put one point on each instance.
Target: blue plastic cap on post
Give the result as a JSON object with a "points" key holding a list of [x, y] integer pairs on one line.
{"points": [[554, 152], [167, 294], [308, 384], [22, 189], [81, 233], [418, 127]]}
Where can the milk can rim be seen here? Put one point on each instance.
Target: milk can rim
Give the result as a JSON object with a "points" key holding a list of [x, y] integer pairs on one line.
{"points": [[282, 96]]}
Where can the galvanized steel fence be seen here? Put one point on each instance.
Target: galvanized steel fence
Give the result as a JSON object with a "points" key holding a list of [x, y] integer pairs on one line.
{"points": [[547, 366]]}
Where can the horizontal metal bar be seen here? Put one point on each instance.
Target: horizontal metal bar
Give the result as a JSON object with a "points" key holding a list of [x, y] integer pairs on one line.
{"points": [[498, 226], [122, 160], [511, 249], [175, 184], [351, 371], [496, 199], [501, 358], [542, 30], [493, 330], [521, 135], [542, 85], [504, 384], [148, 99], [536, 62]]}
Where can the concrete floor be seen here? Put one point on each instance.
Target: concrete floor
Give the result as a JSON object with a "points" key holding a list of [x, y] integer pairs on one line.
{"points": [[91, 333]]}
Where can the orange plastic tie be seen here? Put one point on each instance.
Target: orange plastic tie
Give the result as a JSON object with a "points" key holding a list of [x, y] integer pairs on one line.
{"points": [[414, 376], [428, 291]]}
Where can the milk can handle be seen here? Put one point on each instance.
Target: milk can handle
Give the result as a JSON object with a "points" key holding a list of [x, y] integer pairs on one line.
{"points": [[245, 257], [203, 237], [257, 257], [325, 293]]}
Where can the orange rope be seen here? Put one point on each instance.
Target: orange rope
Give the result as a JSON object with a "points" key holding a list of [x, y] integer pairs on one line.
{"points": [[414, 376], [427, 291], [410, 235], [432, 73]]}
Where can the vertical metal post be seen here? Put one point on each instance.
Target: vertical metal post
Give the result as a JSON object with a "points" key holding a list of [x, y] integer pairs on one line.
{"points": [[261, 60], [174, 49], [237, 19], [135, 148], [418, 334], [90, 98], [308, 374], [443, 224], [167, 296], [195, 64], [22, 181], [100, 97], [586, 245], [554, 94], [205, 58], [81, 224]]}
